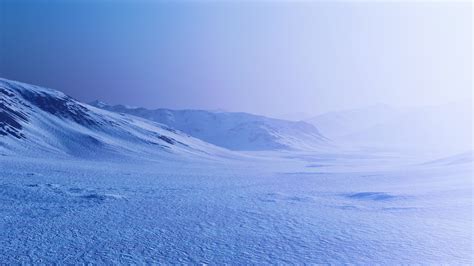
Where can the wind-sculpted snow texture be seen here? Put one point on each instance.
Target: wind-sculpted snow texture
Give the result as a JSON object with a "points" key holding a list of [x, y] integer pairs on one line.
{"points": [[247, 212]]}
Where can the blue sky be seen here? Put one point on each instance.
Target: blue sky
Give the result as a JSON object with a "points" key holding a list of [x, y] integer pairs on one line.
{"points": [[262, 57]]}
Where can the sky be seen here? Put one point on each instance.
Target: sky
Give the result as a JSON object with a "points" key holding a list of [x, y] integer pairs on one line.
{"points": [[276, 58]]}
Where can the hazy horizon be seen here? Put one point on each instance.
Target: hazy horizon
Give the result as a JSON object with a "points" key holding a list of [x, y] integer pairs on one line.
{"points": [[380, 171], [269, 58]]}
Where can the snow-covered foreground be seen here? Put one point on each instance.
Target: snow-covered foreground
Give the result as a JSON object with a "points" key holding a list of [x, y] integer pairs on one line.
{"points": [[288, 208]]}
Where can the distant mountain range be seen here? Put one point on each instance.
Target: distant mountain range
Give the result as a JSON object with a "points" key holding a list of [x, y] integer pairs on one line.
{"points": [[457, 159], [36, 120], [234, 131], [443, 128], [338, 124]]}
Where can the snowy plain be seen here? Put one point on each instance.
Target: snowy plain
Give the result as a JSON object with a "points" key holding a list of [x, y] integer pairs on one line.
{"points": [[303, 209], [81, 185]]}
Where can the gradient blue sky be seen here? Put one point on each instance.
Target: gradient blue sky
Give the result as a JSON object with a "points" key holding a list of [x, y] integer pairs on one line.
{"points": [[262, 57]]}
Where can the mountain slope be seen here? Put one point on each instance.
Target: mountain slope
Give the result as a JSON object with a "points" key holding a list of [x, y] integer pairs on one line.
{"points": [[340, 123], [35, 120], [235, 131], [444, 128], [461, 158]]}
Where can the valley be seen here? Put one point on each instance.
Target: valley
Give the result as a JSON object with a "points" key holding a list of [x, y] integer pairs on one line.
{"points": [[84, 185]]}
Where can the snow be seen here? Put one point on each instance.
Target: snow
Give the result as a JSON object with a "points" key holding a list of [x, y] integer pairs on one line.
{"points": [[61, 126], [337, 124], [441, 129], [87, 186], [250, 211], [235, 131]]}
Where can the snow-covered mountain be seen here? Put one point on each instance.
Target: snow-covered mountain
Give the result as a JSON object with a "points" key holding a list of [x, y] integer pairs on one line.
{"points": [[235, 131], [457, 159], [444, 128], [36, 120], [341, 123]]}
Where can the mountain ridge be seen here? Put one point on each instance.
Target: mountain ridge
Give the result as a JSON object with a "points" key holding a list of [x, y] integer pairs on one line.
{"points": [[232, 130], [437, 128], [36, 120]]}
